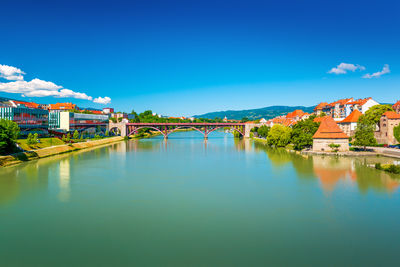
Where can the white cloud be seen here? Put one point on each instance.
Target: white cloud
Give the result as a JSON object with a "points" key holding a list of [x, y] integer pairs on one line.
{"points": [[342, 68], [102, 100], [39, 88], [385, 70], [11, 73]]}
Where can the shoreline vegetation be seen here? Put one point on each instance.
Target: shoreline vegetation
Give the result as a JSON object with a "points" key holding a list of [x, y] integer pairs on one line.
{"points": [[25, 156], [57, 147]]}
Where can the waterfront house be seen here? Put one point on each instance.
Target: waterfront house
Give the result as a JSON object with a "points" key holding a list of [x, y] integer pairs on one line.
{"points": [[388, 121], [349, 124], [318, 109], [361, 105], [330, 133], [396, 107]]}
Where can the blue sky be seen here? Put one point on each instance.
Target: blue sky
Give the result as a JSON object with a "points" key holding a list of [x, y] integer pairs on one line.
{"points": [[191, 57]]}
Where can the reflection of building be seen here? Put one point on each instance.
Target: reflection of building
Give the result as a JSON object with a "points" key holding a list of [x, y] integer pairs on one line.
{"points": [[329, 133], [69, 121], [330, 171], [65, 176], [29, 120]]}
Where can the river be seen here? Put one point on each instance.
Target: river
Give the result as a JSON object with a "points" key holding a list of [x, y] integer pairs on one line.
{"points": [[190, 202]]}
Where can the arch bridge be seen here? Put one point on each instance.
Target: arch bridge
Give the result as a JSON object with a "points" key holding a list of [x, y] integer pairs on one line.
{"points": [[166, 129]]}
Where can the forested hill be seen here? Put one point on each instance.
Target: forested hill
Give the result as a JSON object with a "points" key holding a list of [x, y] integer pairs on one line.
{"points": [[254, 114]]}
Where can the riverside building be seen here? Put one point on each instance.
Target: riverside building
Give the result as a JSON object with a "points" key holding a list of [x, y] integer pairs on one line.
{"points": [[64, 121]]}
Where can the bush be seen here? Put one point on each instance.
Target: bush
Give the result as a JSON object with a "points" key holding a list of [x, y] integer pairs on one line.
{"points": [[279, 136], [9, 131], [75, 135], [394, 169], [263, 131], [378, 166]]}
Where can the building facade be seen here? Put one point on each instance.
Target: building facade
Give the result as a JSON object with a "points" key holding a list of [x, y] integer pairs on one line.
{"points": [[29, 120], [388, 121], [330, 133], [69, 122]]}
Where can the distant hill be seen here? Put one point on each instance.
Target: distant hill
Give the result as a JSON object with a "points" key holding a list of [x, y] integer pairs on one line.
{"points": [[255, 114]]}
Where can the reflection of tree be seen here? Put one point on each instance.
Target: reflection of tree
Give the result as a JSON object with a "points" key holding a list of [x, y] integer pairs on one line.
{"points": [[278, 156], [23, 179], [379, 181]]}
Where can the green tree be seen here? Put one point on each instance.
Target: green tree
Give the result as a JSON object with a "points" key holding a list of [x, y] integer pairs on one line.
{"points": [[244, 119], [68, 138], [374, 113], [279, 136], [302, 133], [36, 138], [107, 133], [30, 140], [364, 133], [396, 133], [9, 131], [263, 131], [75, 135]]}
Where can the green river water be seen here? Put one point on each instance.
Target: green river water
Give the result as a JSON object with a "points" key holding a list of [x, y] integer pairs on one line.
{"points": [[187, 202]]}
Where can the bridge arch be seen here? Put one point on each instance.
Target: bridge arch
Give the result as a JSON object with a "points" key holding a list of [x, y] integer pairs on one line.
{"points": [[230, 127], [185, 127], [151, 127]]}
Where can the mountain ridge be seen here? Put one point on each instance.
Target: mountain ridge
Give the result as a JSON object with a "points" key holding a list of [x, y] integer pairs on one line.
{"points": [[255, 114]]}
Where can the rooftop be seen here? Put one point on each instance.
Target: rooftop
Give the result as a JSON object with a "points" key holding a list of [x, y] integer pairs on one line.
{"points": [[353, 117], [329, 130], [391, 115]]}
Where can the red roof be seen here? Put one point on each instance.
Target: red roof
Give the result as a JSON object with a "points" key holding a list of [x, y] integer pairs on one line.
{"points": [[329, 130], [360, 101], [319, 119], [391, 115], [341, 102], [296, 113], [397, 104], [63, 106], [320, 106], [353, 117], [27, 104]]}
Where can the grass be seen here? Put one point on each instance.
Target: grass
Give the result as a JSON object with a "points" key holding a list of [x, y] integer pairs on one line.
{"points": [[44, 142]]}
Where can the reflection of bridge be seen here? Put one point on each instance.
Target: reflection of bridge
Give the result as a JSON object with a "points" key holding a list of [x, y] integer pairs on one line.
{"points": [[127, 129]]}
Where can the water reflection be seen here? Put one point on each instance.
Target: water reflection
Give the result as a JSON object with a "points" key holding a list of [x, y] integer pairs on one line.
{"points": [[333, 172], [64, 176]]}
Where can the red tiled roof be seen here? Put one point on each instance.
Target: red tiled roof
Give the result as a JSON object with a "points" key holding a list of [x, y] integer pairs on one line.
{"points": [[353, 117], [391, 115], [319, 119], [64, 106], [329, 130], [397, 104], [320, 106], [27, 104], [359, 101], [340, 102], [296, 113]]}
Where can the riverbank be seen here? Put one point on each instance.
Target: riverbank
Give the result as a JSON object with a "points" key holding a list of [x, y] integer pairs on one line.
{"points": [[20, 157], [372, 151]]}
